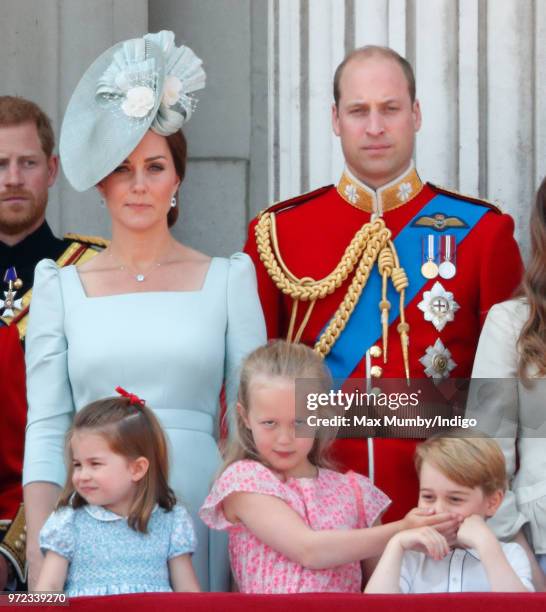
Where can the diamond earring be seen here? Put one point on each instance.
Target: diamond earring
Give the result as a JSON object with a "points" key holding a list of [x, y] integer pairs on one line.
{"points": [[173, 202], [102, 203]]}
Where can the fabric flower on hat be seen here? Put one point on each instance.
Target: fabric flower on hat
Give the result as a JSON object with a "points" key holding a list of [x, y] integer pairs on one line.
{"points": [[138, 102], [172, 90]]}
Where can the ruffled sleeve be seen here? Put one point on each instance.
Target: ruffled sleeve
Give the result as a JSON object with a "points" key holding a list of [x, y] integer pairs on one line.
{"points": [[183, 540], [58, 533], [50, 404], [240, 477], [246, 325], [495, 403], [371, 501]]}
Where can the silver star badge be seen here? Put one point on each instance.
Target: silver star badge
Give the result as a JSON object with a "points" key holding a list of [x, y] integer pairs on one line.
{"points": [[437, 361], [438, 306]]}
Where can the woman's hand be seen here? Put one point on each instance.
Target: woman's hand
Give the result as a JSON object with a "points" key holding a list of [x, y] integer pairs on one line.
{"points": [[40, 499], [35, 560]]}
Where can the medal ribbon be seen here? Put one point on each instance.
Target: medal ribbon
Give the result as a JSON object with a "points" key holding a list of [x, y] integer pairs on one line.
{"points": [[447, 248], [364, 327]]}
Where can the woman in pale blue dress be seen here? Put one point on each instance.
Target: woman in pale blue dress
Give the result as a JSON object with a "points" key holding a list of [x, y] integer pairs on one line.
{"points": [[148, 313]]}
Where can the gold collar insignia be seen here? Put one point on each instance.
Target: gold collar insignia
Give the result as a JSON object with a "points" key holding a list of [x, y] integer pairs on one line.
{"points": [[389, 196]]}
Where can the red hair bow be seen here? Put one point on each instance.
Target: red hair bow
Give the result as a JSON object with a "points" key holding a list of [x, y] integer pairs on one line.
{"points": [[133, 399]]}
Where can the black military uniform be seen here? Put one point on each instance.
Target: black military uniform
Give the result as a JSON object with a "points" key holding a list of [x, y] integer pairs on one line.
{"points": [[17, 265]]}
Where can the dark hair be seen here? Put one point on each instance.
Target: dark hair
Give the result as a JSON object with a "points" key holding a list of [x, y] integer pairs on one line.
{"points": [[15, 111], [179, 150], [532, 339], [131, 431], [371, 51]]}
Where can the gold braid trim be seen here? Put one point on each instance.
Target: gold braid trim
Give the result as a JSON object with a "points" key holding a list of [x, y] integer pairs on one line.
{"points": [[371, 243], [310, 289], [373, 246]]}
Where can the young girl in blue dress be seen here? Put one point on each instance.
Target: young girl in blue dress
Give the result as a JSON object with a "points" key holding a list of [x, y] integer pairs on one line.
{"points": [[117, 527]]}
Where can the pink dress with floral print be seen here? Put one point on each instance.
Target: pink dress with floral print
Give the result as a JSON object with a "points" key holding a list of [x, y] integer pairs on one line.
{"points": [[329, 501]]}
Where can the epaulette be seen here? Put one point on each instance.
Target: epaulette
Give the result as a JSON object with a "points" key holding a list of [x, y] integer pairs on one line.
{"points": [[495, 206], [80, 250], [301, 199], [90, 240]]}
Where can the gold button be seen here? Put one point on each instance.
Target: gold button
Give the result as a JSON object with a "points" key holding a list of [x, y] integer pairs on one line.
{"points": [[18, 545], [376, 371], [375, 351], [22, 537]]}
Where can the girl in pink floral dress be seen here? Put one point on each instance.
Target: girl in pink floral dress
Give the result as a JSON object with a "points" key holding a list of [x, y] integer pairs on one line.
{"points": [[294, 525]]}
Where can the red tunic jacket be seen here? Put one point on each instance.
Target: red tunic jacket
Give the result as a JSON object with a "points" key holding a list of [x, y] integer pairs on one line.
{"points": [[313, 233]]}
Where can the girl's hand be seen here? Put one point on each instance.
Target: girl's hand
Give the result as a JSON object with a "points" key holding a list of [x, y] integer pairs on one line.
{"points": [[424, 539], [446, 523]]}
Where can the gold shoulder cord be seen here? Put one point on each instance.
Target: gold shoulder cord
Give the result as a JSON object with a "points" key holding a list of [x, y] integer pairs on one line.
{"points": [[372, 242]]}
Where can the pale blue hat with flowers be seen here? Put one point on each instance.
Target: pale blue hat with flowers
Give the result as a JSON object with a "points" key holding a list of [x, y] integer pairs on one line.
{"points": [[136, 85]]}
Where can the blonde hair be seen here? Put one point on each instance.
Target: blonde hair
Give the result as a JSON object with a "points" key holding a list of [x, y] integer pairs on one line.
{"points": [[131, 431], [280, 360], [468, 461]]}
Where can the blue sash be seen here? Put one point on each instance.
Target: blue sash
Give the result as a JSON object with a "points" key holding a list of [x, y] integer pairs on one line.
{"points": [[364, 326]]}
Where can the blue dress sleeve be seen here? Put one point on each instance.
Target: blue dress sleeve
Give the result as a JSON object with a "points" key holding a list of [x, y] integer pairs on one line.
{"points": [[50, 403], [183, 540], [246, 324], [58, 533]]}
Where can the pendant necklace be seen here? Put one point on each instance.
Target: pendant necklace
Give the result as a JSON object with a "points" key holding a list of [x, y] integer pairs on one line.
{"points": [[140, 277]]}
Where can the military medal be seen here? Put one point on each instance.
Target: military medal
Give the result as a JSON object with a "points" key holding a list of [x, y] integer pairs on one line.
{"points": [[429, 268], [447, 268], [437, 361], [10, 304], [438, 306]]}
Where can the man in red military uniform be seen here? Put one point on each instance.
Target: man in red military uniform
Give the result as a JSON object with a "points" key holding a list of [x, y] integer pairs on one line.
{"points": [[387, 276], [28, 168]]}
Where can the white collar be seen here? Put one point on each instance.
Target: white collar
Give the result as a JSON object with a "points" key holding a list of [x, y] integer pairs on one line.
{"points": [[103, 514]]}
